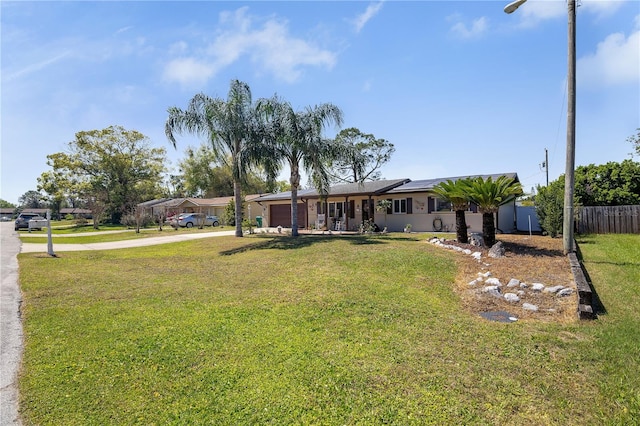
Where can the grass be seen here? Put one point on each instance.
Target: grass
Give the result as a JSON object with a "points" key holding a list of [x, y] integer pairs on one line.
{"points": [[313, 330]]}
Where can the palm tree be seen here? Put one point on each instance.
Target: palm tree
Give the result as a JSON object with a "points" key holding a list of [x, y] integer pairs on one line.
{"points": [[455, 192], [489, 195], [230, 127], [295, 138]]}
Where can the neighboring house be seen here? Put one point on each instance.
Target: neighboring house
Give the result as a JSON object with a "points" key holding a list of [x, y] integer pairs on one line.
{"points": [[412, 202], [75, 212], [7, 211], [209, 206]]}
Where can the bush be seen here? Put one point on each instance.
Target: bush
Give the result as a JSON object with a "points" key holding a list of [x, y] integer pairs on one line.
{"points": [[129, 220], [549, 204]]}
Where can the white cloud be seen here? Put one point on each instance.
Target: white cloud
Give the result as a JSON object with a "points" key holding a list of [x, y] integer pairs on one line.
{"points": [[535, 11], [361, 20], [615, 62], [269, 46], [478, 27], [188, 71], [37, 66]]}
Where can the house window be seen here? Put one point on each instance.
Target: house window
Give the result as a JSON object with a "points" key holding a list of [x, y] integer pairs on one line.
{"points": [[336, 209], [443, 206], [400, 206]]}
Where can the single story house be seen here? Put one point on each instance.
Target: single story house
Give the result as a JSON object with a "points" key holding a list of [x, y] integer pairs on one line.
{"points": [[413, 203], [210, 206]]}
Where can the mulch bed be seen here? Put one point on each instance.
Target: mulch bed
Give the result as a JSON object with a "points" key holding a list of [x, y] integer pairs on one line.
{"points": [[530, 259]]}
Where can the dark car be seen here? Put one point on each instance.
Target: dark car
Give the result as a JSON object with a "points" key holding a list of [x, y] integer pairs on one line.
{"points": [[22, 221]]}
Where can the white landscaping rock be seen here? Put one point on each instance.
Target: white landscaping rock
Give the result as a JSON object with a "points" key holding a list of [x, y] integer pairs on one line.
{"points": [[554, 289], [529, 307], [493, 281], [537, 286], [511, 297], [513, 283], [476, 255], [524, 285], [472, 283], [493, 290], [565, 292]]}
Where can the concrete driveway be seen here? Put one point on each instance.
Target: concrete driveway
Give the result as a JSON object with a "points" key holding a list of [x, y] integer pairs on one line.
{"points": [[42, 248]]}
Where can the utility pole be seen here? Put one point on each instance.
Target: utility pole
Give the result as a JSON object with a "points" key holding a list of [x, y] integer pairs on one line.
{"points": [[569, 179], [546, 164]]}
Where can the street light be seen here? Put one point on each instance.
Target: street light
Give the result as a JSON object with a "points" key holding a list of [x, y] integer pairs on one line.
{"points": [[569, 180]]}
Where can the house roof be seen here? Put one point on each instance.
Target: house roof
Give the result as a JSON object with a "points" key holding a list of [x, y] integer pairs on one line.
{"points": [[200, 202], [348, 189], [428, 184], [73, 210]]}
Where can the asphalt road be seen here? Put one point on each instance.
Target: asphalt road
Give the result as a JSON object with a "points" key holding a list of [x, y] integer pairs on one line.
{"points": [[10, 325]]}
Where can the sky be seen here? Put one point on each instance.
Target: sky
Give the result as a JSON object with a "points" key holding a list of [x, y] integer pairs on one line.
{"points": [[459, 87]]}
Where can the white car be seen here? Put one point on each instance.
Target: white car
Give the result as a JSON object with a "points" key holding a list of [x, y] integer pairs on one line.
{"points": [[190, 220]]}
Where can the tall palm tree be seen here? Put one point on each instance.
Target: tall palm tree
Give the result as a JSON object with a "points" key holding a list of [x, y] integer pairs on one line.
{"points": [[455, 192], [295, 138], [230, 126], [489, 195]]}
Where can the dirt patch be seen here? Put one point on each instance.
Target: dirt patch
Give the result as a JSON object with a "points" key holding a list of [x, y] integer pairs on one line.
{"points": [[529, 259]]}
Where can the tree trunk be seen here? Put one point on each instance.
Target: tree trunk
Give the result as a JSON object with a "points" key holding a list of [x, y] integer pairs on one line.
{"points": [[237, 193], [295, 181], [461, 227], [488, 229]]}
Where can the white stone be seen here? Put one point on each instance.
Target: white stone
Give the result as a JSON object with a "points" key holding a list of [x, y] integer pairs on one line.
{"points": [[476, 255], [511, 297], [492, 290], [565, 292], [466, 251], [524, 285], [486, 274], [493, 281], [474, 282], [553, 289], [521, 292], [537, 286], [529, 307], [513, 283]]}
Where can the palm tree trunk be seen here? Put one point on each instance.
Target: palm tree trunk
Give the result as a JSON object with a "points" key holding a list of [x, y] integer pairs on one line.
{"points": [[237, 193], [461, 227], [488, 229], [295, 181]]}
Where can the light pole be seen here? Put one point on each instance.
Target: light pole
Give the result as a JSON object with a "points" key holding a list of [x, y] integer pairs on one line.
{"points": [[569, 180]]}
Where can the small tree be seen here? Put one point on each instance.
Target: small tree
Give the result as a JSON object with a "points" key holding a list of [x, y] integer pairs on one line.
{"points": [[549, 204], [489, 195], [383, 206], [456, 192]]}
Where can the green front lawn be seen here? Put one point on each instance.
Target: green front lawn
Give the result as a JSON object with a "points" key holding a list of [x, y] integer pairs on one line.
{"points": [[313, 330]]}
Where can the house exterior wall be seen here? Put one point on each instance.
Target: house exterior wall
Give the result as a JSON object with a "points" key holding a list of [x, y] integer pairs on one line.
{"points": [[419, 218]]}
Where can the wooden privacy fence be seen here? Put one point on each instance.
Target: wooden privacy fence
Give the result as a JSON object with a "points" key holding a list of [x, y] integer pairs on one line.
{"points": [[609, 220]]}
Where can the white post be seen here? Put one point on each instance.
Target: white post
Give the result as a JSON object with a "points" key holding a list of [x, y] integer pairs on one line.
{"points": [[49, 239]]}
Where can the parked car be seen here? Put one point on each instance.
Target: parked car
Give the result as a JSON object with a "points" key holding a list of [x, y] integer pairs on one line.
{"points": [[190, 220], [22, 221]]}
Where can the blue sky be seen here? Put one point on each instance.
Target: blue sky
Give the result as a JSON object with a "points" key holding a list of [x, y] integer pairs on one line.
{"points": [[459, 87]]}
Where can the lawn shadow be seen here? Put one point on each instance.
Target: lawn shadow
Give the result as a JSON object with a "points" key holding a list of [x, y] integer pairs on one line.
{"points": [[530, 250], [596, 303], [287, 242]]}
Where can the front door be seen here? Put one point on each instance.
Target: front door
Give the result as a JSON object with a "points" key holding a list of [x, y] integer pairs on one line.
{"points": [[367, 210]]}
